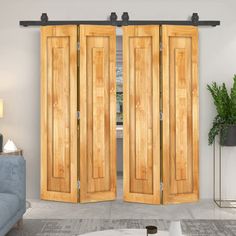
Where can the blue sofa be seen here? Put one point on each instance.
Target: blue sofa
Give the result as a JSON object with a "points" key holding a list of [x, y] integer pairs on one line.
{"points": [[12, 191]]}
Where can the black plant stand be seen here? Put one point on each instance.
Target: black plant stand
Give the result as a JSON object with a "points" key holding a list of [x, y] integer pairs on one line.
{"points": [[222, 203]]}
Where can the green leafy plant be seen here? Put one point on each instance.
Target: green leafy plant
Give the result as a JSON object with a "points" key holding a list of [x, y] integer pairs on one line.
{"points": [[119, 98], [225, 104]]}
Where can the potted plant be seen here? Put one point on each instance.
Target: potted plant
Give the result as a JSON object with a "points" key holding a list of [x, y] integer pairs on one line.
{"points": [[224, 123]]}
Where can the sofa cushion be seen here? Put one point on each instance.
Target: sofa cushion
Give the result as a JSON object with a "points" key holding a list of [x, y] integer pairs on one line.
{"points": [[9, 205], [12, 176]]}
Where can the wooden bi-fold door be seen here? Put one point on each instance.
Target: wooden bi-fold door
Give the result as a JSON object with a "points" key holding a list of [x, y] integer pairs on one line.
{"points": [[92, 92], [97, 113], [141, 114], [59, 113], [93, 171], [180, 113]]}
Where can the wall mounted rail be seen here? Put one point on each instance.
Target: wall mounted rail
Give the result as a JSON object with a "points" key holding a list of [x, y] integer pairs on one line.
{"points": [[125, 21]]}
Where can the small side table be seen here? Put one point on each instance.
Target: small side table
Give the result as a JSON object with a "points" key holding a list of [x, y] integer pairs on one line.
{"points": [[18, 152]]}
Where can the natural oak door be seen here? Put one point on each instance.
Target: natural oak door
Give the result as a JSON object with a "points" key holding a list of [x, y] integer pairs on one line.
{"points": [[59, 113], [141, 114], [180, 113], [97, 113]]}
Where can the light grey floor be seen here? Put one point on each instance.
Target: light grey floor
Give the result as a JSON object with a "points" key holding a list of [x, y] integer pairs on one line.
{"points": [[204, 209]]}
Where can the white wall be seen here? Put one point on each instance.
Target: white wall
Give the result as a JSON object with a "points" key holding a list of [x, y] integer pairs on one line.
{"points": [[20, 66]]}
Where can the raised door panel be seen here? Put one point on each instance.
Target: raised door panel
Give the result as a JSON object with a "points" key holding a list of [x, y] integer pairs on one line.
{"points": [[98, 113], [141, 114], [180, 114], [58, 113]]}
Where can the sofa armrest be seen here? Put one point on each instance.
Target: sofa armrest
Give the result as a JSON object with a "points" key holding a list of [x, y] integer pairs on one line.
{"points": [[13, 176]]}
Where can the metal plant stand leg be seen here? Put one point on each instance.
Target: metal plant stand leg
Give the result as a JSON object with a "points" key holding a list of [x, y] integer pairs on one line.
{"points": [[222, 203], [214, 172]]}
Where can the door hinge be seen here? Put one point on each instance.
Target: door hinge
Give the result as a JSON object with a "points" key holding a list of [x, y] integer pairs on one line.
{"points": [[78, 184], [78, 115], [161, 187], [161, 115], [161, 46], [78, 46]]}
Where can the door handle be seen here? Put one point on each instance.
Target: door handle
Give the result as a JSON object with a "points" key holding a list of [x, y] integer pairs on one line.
{"points": [[78, 115]]}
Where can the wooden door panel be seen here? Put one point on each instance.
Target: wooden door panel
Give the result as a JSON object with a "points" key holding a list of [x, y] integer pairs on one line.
{"points": [[180, 114], [141, 114], [98, 113], [58, 113]]}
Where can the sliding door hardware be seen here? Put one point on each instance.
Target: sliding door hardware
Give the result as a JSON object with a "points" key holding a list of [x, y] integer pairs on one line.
{"points": [[125, 21], [161, 115], [161, 187], [161, 46]]}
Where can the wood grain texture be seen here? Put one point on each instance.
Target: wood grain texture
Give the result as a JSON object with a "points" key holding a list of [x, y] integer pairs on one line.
{"points": [[78, 109], [98, 84], [180, 114], [141, 111], [58, 113], [181, 98], [98, 113], [141, 114]]}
